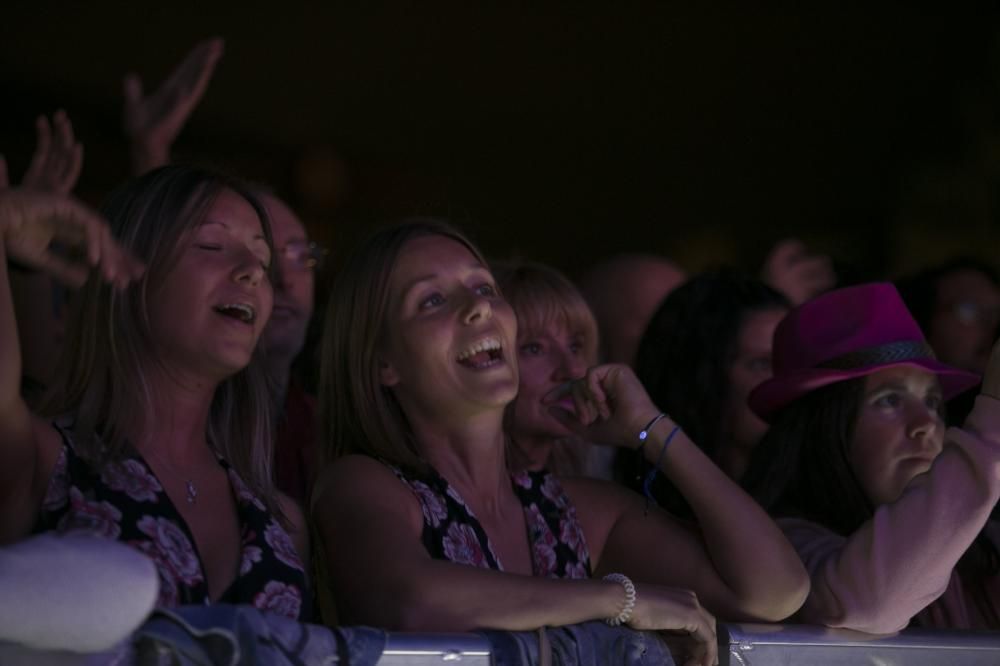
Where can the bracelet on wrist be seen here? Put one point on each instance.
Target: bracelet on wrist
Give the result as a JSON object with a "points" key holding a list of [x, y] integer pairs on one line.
{"points": [[644, 433], [647, 483], [626, 611]]}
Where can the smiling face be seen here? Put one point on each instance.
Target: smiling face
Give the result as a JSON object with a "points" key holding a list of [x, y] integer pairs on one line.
{"points": [[448, 338], [550, 353], [964, 324], [899, 431], [208, 310]]}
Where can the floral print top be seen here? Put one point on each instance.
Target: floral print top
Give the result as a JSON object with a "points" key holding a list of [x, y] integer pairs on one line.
{"points": [[452, 532], [125, 501]]}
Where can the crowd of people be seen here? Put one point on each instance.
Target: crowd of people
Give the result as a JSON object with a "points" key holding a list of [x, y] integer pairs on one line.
{"points": [[493, 445]]}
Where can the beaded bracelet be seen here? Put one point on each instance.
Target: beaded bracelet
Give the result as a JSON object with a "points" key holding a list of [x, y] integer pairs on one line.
{"points": [[626, 611]]}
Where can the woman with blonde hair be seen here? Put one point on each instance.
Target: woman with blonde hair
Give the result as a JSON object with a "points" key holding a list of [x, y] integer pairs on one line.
{"points": [[157, 433], [423, 526], [556, 342]]}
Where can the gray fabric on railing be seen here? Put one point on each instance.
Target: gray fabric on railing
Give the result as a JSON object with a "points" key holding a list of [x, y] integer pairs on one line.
{"points": [[224, 635], [586, 644]]}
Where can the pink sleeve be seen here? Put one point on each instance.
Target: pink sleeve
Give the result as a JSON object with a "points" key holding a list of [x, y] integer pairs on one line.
{"points": [[900, 561]]}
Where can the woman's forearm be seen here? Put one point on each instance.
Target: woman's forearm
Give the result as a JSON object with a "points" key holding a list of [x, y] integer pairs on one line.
{"points": [[748, 550], [442, 596], [902, 559]]}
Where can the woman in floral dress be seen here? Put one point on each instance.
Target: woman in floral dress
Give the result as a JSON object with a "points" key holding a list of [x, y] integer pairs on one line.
{"points": [[423, 526], [157, 433]]}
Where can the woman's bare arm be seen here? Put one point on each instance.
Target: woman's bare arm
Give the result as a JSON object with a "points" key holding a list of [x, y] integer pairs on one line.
{"points": [[29, 447], [736, 558], [381, 574]]}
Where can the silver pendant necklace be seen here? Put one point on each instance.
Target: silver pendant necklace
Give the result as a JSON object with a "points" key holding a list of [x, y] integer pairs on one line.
{"points": [[192, 491]]}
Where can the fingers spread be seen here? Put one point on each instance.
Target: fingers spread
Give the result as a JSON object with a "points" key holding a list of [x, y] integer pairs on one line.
{"points": [[40, 158]]}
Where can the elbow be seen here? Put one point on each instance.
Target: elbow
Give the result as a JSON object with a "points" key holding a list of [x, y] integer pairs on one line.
{"points": [[780, 599], [870, 617], [415, 608], [796, 592], [873, 622]]}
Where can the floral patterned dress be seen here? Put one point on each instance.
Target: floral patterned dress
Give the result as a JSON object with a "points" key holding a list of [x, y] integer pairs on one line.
{"points": [[125, 501], [452, 532]]}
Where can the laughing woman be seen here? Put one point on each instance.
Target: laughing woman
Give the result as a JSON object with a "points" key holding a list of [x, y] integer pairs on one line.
{"points": [[159, 434], [423, 526]]}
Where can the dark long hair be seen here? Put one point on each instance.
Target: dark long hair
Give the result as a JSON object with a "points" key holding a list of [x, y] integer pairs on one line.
{"points": [[686, 353], [801, 469]]}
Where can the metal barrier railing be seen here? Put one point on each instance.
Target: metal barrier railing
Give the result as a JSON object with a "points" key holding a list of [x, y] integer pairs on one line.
{"points": [[775, 644], [753, 645]]}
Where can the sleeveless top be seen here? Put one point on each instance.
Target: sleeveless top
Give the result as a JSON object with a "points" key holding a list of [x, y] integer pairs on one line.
{"points": [[452, 532], [125, 501]]}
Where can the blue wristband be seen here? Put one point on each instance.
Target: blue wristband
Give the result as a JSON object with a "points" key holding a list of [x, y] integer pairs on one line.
{"points": [[647, 484]]}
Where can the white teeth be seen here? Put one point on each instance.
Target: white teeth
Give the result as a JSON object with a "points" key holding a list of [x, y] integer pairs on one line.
{"points": [[488, 344], [245, 311]]}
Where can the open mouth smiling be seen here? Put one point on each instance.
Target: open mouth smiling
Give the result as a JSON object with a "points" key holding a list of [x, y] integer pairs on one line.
{"points": [[484, 353], [243, 312]]}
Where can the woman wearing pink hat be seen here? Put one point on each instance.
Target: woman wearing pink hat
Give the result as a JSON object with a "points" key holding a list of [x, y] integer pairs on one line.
{"points": [[888, 509]]}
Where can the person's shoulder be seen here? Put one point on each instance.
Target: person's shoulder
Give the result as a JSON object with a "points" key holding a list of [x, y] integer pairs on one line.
{"points": [[359, 477], [592, 497]]}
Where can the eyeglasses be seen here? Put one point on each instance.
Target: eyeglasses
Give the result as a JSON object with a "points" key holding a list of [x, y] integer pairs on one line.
{"points": [[970, 312], [303, 255]]}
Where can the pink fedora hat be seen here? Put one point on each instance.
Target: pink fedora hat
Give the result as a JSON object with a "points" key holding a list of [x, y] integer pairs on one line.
{"points": [[847, 333]]}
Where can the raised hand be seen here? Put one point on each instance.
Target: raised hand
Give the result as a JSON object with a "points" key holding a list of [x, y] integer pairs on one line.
{"points": [[796, 273], [678, 612], [152, 123], [58, 157], [609, 405], [56, 163], [34, 224]]}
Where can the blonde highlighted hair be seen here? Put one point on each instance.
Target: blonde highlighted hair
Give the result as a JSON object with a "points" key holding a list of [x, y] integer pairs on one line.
{"points": [[104, 380], [541, 297]]}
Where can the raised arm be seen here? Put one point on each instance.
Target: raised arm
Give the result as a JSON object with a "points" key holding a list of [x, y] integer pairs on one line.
{"points": [[29, 224], [153, 122], [795, 272], [370, 526], [902, 559], [736, 558]]}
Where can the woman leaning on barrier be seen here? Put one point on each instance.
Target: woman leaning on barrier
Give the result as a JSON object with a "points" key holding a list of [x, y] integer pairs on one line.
{"points": [[889, 510], [424, 527]]}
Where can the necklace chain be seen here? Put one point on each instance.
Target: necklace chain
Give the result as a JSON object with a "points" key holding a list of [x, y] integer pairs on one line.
{"points": [[190, 489]]}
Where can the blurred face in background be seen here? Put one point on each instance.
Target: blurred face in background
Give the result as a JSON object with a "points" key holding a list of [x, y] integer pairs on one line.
{"points": [[751, 366], [294, 283], [965, 320], [549, 354]]}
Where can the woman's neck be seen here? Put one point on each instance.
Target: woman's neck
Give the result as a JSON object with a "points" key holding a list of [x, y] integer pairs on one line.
{"points": [[470, 455], [175, 426], [530, 453]]}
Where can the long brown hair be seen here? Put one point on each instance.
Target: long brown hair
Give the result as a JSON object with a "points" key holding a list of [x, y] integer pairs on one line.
{"points": [[104, 384], [357, 413]]}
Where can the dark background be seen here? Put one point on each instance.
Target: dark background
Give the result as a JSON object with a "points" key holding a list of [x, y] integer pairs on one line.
{"points": [[565, 131]]}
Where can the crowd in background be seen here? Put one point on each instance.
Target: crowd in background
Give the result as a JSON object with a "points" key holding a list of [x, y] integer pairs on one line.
{"points": [[496, 445]]}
